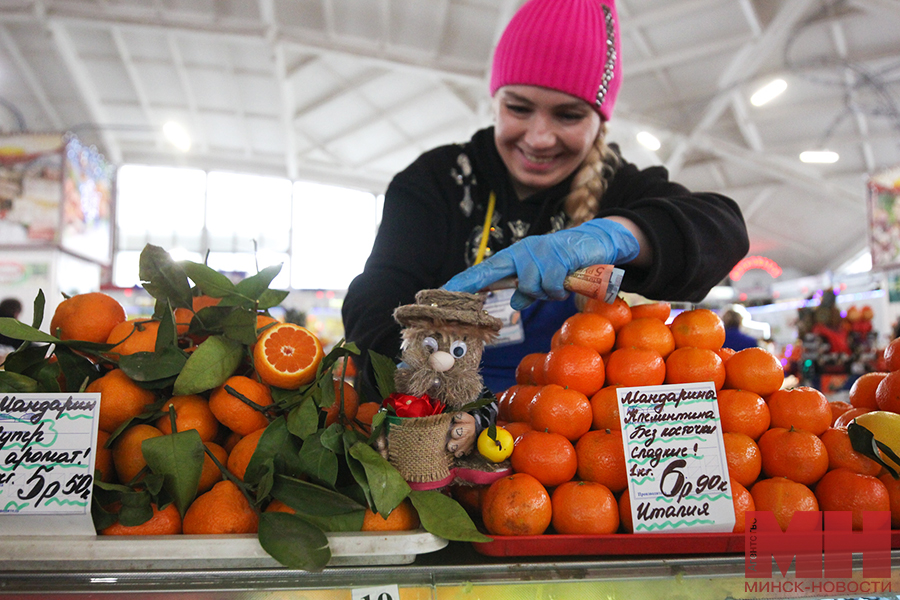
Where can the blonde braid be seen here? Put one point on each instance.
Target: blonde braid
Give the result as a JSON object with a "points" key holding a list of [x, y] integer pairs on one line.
{"points": [[591, 181]]}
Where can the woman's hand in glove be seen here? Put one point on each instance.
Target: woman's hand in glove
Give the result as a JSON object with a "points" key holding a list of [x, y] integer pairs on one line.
{"points": [[542, 262]]}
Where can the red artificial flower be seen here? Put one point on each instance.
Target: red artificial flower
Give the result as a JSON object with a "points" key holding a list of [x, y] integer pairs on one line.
{"points": [[405, 405]]}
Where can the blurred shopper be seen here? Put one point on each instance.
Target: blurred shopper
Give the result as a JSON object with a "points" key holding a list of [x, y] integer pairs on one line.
{"points": [[11, 308], [734, 337]]}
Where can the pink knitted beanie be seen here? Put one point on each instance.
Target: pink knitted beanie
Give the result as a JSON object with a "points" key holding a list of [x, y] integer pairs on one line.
{"points": [[571, 46]]}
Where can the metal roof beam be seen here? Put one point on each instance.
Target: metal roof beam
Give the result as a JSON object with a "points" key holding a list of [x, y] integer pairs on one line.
{"points": [[30, 78], [744, 66], [185, 80], [82, 79]]}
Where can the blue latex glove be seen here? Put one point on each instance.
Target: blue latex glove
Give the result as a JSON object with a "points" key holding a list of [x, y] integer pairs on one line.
{"points": [[541, 262]]}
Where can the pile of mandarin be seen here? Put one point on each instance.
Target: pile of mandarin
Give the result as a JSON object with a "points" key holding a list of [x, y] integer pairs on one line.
{"points": [[285, 356], [787, 449]]}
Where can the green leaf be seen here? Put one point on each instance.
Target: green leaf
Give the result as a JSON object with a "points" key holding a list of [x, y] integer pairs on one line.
{"points": [[211, 282], [20, 331], [287, 459], [356, 468], [209, 319], [75, 367], [317, 461], [209, 366], [47, 375], [135, 508], [293, 541], [311, 499], [444, 517], [271, 443], [387, 486], [266, 480], [270, 298], [167, 334], [163, 278], [16, 383], [254, 286], [346, 522], [101, 517], [25, 358], [383, 368], [240, 325], [152, 366], [326, 396], [38, 311], [333, 438], [179, 459], [303, 420]]}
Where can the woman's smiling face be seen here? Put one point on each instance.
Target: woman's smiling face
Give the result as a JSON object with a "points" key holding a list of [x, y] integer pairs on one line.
{"points": [[542, 135]]}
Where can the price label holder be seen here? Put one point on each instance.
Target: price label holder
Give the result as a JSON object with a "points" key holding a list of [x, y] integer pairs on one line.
{"points": [[675, 459], [496, 304], [382, 592], [47, 448]]}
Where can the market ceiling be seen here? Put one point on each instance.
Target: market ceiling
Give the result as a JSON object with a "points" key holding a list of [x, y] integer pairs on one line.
{"points": [[350, 91]]}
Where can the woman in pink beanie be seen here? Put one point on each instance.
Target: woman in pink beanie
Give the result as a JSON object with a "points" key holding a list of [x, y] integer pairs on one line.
{"points": [[557, 196]]}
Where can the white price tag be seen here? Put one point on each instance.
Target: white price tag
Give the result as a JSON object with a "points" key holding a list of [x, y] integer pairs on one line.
{"points": [[47, 449], [677, 470], [381, 592]]}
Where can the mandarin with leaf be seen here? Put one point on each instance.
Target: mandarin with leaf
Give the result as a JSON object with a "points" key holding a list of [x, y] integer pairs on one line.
{"points": [[121, 399], [223, 509], [87, 317], [163, 522], [227, 403]]}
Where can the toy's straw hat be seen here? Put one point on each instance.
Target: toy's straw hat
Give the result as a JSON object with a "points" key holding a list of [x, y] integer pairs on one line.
{"points": [[447, 308]]}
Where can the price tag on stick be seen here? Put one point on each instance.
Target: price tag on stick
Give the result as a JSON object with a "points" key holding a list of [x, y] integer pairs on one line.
{"points": [[47, 449], [675, 457]]}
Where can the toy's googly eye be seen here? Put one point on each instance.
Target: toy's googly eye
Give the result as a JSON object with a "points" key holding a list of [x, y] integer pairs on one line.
{"points": [[430, 344], [458, 349]]}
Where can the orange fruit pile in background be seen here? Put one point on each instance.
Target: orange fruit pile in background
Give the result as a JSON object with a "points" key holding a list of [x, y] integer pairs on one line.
{"points": [[787, 449]]}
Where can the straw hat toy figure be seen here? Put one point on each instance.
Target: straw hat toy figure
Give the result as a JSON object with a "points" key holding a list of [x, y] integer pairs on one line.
{"points": [[443, 339]]}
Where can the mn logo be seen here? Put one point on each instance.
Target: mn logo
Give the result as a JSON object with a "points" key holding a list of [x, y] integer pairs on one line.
{"points": [[821, 547]]}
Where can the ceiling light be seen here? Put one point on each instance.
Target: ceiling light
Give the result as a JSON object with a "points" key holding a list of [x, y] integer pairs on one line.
{"points": [[819, 156], [648, 140], [768, 92], [177, 136]]}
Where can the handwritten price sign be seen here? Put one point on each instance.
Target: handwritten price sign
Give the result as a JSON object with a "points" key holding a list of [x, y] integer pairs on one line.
{"points": [[677, 471], [46, 453]]}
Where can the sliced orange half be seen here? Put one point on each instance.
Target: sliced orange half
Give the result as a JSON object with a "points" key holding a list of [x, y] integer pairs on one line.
{"points": [[287, 356]]}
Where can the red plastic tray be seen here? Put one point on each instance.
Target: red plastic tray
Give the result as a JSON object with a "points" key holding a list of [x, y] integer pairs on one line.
{"points": [[620, 544]]}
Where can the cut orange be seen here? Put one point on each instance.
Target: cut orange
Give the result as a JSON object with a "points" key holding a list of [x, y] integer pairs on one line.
{"points": [[287, 356]]}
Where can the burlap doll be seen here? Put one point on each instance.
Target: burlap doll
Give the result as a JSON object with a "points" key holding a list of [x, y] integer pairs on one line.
{"points": [[443, 338]]}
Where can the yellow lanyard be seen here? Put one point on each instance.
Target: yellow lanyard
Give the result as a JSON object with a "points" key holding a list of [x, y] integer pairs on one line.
{"points": [[486, 230]]}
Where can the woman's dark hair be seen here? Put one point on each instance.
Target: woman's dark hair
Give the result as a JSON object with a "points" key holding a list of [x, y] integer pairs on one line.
{"points": [[10, 307]]}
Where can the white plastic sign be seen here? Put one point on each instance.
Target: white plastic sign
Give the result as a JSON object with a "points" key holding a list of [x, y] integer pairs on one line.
{"points": [[47, 462], [675, 457]]}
